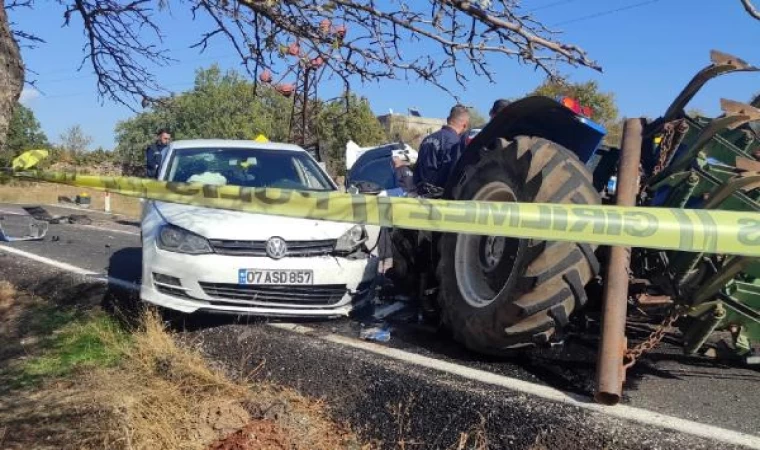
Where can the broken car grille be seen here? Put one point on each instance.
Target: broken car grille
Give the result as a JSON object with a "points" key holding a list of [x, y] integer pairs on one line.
{"points": [[258, 248], [315, 295]]}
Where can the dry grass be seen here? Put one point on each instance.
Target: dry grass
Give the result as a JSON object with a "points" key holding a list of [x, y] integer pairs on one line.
{"points": [[47, 194], [91, 385], [166, 396], [475, 439], [7, 296]]}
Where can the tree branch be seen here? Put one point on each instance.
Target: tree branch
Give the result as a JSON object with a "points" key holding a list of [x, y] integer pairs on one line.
{"points": [[368, 40], [751, 10], [116, 47]]}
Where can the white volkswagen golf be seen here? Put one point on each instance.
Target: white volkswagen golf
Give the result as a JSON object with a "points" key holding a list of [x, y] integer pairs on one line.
{"points": [[203, 259]]}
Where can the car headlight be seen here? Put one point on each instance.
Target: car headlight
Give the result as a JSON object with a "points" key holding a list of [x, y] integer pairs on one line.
{"points": [[175, 239], [351, 239]]}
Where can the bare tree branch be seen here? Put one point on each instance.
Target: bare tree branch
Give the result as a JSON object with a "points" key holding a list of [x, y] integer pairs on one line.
{"points": [[27, 40], [117, 49], [23, 38], [365, 40], [372, 42], [9, 6], [368, 40], [751, 10]]}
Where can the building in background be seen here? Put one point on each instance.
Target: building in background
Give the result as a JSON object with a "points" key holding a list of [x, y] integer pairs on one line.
{"points": [[409, 128]]}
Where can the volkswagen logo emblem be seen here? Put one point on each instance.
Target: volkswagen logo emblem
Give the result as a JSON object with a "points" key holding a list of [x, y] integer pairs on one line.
{"points": [[276, 248]]}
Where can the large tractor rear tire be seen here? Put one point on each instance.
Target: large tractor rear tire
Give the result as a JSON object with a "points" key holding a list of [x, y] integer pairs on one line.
{"points": [[498, 294]]}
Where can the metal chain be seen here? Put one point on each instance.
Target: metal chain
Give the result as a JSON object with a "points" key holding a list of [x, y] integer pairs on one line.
{"points": [[670, 143], [674, 133], [633, 354]]}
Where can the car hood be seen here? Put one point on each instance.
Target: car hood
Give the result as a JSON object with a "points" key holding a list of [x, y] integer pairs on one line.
{"points": [[233, 225]]}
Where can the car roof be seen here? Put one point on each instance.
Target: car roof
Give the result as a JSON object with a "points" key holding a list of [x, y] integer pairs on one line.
{"points": [[232, 143]]}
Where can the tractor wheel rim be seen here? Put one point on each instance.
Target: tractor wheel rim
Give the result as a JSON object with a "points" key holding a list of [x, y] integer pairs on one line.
{"points": [[493, 250], [484, 264]]}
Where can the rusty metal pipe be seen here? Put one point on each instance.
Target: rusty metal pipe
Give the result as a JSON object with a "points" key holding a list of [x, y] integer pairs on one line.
{"points": [[609, 367]]}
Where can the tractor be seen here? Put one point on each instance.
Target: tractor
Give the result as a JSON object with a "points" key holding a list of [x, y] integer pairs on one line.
{"points": [[497, 294]]}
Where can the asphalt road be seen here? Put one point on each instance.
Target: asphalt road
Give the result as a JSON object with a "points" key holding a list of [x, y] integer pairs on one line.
{"points": [[442, 388]]}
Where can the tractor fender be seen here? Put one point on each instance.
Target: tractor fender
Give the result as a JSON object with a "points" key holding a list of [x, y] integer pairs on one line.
{"points": [[537, 116]]}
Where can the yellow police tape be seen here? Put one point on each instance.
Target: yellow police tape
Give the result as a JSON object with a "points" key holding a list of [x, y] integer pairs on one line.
{"points": [[29, 159], [708, 231]]}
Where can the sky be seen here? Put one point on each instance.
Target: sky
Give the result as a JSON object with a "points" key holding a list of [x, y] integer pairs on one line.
{"points": [[648, 51]]}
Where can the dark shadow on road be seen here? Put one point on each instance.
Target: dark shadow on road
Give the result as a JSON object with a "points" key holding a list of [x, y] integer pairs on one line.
{"points": [[123, 302], [120, 301], [131, 223], [571, 366]]}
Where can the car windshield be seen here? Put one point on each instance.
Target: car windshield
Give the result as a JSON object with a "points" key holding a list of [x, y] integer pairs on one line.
{"points": [[248, 167]]}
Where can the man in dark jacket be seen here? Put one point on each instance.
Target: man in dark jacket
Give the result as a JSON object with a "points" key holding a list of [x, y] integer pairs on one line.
{"points": [[155, 152], [439, 151], [498, 105]]}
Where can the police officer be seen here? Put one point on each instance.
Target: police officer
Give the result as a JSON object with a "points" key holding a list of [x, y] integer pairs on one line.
{"points": [[439, 150], [155, 153]]}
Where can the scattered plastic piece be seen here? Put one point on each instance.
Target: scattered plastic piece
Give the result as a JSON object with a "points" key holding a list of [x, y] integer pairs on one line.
{"points": [[382, 312], [37, 231], [377, 334]]}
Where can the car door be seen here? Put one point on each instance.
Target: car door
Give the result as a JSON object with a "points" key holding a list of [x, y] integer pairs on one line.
{"points": [[372, 172]]}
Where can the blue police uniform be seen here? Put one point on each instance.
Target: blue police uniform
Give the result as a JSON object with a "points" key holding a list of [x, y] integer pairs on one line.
{"points": [[153, 156], [438, 153]]}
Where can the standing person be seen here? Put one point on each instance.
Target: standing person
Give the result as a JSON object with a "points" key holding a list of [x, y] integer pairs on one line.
{"points": [[498, 105], [439, 150], [155, 152]]}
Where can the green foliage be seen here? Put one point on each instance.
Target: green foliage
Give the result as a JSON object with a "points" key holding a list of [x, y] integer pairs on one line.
{"points": [[225, 106], [135, 134], [95, 157], [75, 141], [220, 106], [603, 104], [477, 120], [92, 343], [24, 134], [695, 112], [70, 339], [342, 120]]}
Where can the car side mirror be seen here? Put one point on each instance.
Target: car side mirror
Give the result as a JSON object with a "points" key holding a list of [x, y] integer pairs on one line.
{"points": [[353, 190]]}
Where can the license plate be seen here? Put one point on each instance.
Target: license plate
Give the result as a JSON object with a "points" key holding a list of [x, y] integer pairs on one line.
{"points": [[274, 277]]}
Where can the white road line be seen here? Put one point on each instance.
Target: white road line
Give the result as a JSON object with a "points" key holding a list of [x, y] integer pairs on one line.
{"points": [[94, 276], [640, 415], [625, 412], [62, 206], [14, 213], [132, 233]]}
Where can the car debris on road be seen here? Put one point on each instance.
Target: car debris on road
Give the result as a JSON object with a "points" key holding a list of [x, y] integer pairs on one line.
{"points": [[37, 229]]}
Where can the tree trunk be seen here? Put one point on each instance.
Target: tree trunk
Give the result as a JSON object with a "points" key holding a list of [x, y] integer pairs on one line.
{"points": [[11, 74]]}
